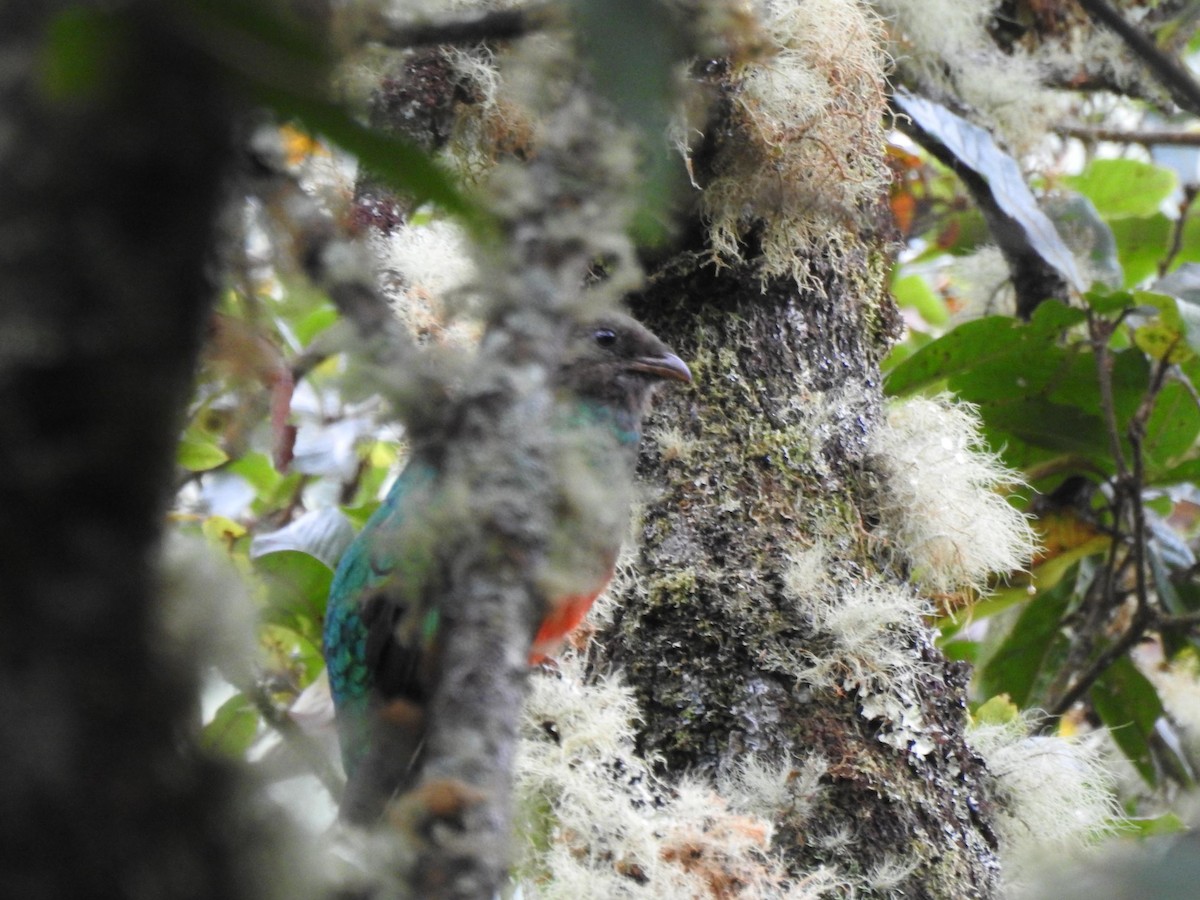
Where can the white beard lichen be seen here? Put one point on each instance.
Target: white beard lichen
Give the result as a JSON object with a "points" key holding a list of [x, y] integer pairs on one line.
{"points": [[938, 499], [594, 821], [1052, 795], [803, 157]]}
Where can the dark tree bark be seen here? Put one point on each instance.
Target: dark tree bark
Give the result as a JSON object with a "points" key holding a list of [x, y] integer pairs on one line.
{"points": [[786, 394], [115, 137]]}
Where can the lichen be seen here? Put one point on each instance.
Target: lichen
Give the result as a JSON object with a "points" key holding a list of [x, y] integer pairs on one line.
{"points": [[1053, 794], [802, 156], [596, 822], [938, 498]]}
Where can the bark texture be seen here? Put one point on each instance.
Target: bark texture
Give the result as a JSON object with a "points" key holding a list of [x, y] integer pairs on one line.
{"points": [[774, 461], [111, 177]]}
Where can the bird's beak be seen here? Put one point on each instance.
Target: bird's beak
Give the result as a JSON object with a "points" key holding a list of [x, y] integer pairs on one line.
{"points": [[666, 366]]}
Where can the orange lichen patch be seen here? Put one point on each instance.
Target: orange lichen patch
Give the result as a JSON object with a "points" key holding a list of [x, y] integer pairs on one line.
{"points": [[725, 852]]}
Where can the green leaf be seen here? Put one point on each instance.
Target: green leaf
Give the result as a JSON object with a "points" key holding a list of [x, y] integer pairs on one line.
{"points": [[1053, 426], [1129, 706], [290, 651], [1121, 188], [394, 160], [296, 588], [1091, 236], [358, 515], [914, 292], [1156, 826], [1163, 336], [961, 650], [1187, 472], [1141, 245], [232, 729], [284, 64], [314, 323], [1171, 430], [1015, 666], [258, 470], [1107, 302], [999, 342], [633, 50], [199, 455], [998, 710], [1183, 287]]}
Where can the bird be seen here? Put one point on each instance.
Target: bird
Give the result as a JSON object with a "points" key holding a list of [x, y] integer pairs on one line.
{"points": [[381, 629]]}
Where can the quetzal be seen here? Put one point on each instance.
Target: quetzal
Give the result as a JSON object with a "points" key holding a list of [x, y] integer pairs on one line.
{"points": [[381, 624]]}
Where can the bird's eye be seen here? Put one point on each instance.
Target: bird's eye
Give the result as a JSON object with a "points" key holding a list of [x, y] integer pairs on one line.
{"points": [[605, 337]]}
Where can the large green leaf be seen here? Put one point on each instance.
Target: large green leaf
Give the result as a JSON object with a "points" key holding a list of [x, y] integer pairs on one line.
{"points": [[1037, 390], [1124, 187], [1171, 430], [1129, 706], [1002, 345], [1051, 426], [286, 66], [1015, 666], [296, 588], [232, 728], [1141, 245], [398, 162]]}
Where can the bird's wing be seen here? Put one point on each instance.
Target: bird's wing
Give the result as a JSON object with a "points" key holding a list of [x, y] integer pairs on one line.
{"points": [[375, 591]]}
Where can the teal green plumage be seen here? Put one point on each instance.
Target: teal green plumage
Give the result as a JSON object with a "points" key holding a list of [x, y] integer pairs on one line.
{"points": [[379, 557], [381, 629]]}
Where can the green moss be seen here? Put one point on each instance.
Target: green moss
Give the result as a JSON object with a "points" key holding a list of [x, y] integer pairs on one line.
{"points": [[674, 586]]}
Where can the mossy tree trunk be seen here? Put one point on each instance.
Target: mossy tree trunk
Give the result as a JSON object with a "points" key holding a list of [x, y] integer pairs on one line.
{"points": [[765, 459]]}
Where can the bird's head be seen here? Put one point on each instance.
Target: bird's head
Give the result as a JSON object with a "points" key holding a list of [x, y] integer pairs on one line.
{"points": [[617, 362]]}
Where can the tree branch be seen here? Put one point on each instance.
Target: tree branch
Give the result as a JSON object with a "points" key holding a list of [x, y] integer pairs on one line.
{"points": [[1034, 280], [1119, 136], [296, 738], [111, 187], [1174, 77], [1127, 500], [492, 25]]}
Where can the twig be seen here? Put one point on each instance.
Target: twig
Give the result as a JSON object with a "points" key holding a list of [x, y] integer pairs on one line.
{"points": [[493, 25], [1127, 489], [1145, 138], [1137, 628], [1099, 332], [1174, 77], [295, 737], [1181, 620], [1189, 197]]}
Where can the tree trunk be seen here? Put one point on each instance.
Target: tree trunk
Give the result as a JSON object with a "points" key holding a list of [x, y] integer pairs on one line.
{"points": [[115, 136], [720, 642]]}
